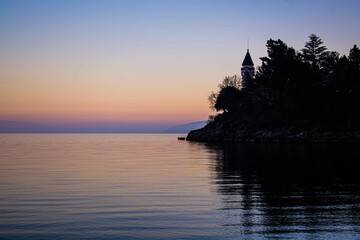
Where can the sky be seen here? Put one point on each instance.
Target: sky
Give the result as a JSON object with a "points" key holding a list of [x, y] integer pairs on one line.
{"points": [[145, 62]]}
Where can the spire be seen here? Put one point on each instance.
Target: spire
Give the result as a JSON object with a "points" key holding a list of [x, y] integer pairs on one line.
{"points": [[247, 70], [247, 60]]}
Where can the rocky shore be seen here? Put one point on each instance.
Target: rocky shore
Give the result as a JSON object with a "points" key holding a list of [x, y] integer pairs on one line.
{"points": [[223, 130]]}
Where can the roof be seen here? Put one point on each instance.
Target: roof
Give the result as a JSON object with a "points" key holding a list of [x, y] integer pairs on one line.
{"points": [[247, 60]]}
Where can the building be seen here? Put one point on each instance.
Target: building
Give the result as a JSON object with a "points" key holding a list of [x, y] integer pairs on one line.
{"points": [[247, 70]]}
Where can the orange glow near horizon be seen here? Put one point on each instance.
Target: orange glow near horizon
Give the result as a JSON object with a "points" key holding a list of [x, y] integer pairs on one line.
{"points": [[61, 103]]}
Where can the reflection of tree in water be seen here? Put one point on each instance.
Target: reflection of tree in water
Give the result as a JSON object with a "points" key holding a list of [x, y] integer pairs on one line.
{"points": [[289, 188]]}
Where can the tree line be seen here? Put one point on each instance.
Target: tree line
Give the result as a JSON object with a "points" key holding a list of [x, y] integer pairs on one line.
{"points": [[290, 87]]}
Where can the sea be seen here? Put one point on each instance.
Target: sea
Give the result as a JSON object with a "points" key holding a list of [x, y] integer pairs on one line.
{"points": [[153, 186]]}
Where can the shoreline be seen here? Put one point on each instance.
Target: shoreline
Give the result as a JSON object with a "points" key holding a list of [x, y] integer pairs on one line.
{"points": [[212, 133]]}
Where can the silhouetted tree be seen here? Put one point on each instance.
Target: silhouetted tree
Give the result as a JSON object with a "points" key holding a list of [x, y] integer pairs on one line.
{"points": [[329, 63], [229, 81], [233, 81], [342, 76], [354, 57], [212, 100], [354, 61], [279, 67], [354, 98], [313, 86], [314, 51], [228, 99]]}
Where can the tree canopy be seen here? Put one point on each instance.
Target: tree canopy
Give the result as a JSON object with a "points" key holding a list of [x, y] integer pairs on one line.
{"points": [[313, 85], [227, 97]]}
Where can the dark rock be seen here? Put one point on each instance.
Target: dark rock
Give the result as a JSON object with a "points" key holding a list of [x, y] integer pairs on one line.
{"points": [[228, 129]]}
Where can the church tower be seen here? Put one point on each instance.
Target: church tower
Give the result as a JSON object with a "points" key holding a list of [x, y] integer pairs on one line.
{"points": [[247, 70]]}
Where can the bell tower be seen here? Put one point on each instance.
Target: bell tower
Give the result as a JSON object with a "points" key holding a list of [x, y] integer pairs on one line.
{"points": [[247, 70]]}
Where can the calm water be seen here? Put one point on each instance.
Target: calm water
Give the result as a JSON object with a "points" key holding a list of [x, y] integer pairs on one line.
{"points": [[118, 186]]}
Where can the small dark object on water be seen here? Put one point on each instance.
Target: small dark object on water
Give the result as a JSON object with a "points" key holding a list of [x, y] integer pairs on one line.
{"points": [[181, 138]]}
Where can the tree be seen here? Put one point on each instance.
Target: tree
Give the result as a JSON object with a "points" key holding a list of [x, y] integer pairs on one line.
{"points": [[314, 51], [354, 59], [313, 86], [329, 63], [228, 99], [279, 67], [354, 62], [229, 81], [342, 76], [233, 81], [212, 100]]}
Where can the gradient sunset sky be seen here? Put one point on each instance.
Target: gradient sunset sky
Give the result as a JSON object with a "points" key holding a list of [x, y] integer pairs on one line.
{"points": [[145, 61]]}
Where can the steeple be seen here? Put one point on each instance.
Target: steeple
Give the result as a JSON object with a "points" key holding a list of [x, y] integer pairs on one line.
{"points": [[247, 60], [247, 70]]}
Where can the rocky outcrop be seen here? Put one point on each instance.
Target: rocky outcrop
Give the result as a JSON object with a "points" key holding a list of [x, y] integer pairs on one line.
{"points": [[227, 129]]}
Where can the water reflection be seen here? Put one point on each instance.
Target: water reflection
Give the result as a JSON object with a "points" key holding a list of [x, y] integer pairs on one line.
{"points": [[289, 190], [118, 186]]}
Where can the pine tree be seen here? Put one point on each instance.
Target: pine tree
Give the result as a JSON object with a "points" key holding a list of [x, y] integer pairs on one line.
{"points": [[314, 51]]}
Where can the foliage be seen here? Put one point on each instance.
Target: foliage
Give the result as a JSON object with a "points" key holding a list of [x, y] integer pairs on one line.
{"points": [[224, 103], [279, 67], [212, 100], [314, 52], [227, 99], [292, 87], [233, 81]]}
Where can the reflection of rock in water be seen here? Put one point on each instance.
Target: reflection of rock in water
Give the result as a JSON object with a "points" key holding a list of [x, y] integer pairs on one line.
{"points": [[291, 189], [289, 162]]}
